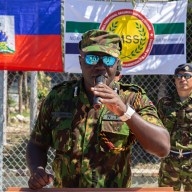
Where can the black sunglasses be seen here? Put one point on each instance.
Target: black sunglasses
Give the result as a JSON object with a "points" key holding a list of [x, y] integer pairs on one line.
{"points": [[180, 76]]}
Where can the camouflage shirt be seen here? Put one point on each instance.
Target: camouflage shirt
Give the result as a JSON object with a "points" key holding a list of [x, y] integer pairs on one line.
{"points": [[176, 116], [92, 147]]}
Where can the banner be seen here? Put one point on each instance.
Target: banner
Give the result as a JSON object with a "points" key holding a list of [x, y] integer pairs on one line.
{"points": [[30, 35], [153, 33]]}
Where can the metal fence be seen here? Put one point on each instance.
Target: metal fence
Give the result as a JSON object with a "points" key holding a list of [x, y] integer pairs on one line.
{"points": [[23, 90]]}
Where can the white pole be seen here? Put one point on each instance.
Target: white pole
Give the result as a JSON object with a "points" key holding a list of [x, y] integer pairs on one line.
{"points": [[33, 99], [3, 119]]}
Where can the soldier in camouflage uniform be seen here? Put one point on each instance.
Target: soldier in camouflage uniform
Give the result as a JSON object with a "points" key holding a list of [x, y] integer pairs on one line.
{"points": [[176, 114], [93, 147]]}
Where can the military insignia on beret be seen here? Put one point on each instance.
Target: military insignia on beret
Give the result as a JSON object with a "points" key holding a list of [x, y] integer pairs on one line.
{"points": [[187, 68]]}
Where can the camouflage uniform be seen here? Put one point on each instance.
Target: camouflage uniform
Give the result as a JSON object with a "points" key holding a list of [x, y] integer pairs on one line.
{"points": [[176, 169], [93, 148]]}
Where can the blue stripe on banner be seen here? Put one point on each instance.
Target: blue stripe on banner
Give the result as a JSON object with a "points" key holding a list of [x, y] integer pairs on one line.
{"points": [[71, 48], [167, 49], [33, 17], [158, 49]]}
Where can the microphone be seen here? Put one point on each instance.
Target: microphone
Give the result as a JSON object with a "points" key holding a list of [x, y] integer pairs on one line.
{"points": [[96, 100]]}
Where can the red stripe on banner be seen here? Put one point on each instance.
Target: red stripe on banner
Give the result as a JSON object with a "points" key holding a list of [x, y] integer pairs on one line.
{"points": [[34, 53]]}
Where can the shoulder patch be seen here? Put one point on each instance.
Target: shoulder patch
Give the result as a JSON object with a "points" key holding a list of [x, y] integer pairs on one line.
{"points": [[151, 103]]}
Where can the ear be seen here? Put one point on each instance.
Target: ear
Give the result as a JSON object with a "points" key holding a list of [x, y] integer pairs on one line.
{"points": [[119, 67]]}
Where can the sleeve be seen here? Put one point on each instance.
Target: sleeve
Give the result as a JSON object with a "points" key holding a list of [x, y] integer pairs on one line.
{"points": [[146, 109], [42, 133]]}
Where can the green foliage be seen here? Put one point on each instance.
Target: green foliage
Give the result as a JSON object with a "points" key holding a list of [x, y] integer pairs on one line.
{"points": [[135, 1], [43, 85], [11, 102]]}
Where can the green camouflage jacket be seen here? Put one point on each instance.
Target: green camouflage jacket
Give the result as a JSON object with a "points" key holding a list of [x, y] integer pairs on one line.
{"points": [[92, 148], [177, 118]]}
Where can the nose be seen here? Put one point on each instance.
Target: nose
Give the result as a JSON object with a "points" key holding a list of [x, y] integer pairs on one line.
{"points": [[100, 64], [183, 78]]}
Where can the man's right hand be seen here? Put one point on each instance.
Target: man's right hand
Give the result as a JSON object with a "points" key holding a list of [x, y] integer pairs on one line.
{"points": [[39, 179]]}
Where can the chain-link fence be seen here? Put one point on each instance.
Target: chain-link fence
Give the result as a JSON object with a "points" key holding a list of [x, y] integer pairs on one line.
{"points": [[15, 173]]}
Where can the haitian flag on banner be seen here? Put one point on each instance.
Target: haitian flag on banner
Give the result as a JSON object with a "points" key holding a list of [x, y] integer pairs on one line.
{"points": [[30, 35], [153, 33]]}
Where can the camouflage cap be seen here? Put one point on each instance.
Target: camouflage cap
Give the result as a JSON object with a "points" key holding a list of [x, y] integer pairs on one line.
{"points": [[184, 67], [101, 41]]}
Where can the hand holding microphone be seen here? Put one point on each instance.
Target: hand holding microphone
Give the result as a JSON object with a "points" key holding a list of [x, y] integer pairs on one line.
{"points": [[96, 100]]}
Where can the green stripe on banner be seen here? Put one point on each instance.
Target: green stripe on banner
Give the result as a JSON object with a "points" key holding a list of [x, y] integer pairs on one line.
{"points": [[80, 27], [171, 28], [162, 28]]}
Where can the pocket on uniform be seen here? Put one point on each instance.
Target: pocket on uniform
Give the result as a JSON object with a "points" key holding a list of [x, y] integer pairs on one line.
{"points": [[188, 114], [169, 119], [115, 132], [61, 135]]}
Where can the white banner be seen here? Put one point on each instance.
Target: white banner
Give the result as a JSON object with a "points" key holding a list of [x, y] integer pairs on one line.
{"points": [[153, 33]]}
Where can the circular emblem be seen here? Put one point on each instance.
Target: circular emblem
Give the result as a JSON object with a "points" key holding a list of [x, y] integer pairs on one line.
{"points": [[187, 68], [137, 34]]}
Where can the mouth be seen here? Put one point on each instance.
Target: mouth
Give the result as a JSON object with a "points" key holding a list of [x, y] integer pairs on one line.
{"points": [[104, 75], [183, 84], [100, 78]]}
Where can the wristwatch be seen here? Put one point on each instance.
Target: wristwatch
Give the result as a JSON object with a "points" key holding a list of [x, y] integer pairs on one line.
{"points": [[127, 115]]}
